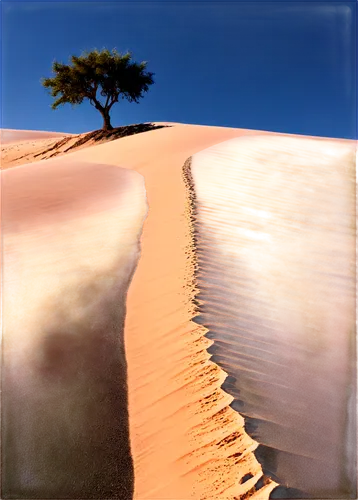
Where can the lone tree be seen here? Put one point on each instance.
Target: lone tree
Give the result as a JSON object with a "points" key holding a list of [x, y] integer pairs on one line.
{"points": [[108, 73]]}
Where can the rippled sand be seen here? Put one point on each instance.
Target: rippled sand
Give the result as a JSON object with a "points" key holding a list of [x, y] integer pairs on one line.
{"points": [[277, 317], [276, 244]]}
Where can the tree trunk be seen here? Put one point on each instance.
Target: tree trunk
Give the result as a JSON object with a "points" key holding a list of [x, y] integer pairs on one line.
{"points": [[106, 120]]}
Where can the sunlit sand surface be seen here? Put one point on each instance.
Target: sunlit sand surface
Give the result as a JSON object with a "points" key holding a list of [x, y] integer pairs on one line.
{"points": [[71, 246], [276, 254], [9, 136]]}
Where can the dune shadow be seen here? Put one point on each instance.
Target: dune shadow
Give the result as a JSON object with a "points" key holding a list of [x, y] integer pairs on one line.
{"points": [[65, 430], [71, 246]]}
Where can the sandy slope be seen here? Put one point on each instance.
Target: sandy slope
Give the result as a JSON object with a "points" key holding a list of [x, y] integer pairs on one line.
{"points": [[70, 245], [20, 147], [9, 136], [186, 441], [276, 248]]}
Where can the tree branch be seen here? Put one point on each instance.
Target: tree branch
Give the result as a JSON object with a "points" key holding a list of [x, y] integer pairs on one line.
{"points": [[107, 101], [93, 97], [113, 100]]}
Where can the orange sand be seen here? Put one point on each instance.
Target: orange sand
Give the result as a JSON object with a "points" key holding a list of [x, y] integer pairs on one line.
{"points": [[70, 236]]}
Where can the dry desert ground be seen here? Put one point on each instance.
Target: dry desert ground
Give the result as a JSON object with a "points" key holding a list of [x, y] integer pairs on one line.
{"points": [[176, 303]]}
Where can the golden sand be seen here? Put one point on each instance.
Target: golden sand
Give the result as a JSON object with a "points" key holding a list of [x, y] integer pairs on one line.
{"points": [[161, 423]]}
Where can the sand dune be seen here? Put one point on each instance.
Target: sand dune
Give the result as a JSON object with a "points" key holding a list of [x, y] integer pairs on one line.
{"points": [[25, 151], [8, 136], [276, 255], [70, 245], [19, 147], [71, 230]]}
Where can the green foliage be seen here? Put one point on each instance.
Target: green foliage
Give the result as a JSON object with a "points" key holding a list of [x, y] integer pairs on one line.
{"points": [[108, 73]]}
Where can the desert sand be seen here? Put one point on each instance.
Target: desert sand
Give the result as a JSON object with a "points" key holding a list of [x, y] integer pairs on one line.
{"points": [[11, 136], [129, 296]]}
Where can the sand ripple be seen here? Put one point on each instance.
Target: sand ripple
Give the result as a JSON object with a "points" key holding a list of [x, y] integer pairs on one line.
{"points": [[276, 256]]}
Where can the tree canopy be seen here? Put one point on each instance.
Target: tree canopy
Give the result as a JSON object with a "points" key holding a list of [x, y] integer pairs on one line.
{"points": [[102, 77]]}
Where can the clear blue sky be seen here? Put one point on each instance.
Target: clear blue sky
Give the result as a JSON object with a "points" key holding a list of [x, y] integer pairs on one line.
{"points": [[283, 66]]}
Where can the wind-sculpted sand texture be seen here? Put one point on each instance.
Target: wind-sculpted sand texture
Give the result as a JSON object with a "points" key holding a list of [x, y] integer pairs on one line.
{"points": [[275, 238], [70, 245], [70, 273]]}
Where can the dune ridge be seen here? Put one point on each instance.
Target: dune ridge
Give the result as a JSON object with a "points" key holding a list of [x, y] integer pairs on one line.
{"points": [[19, 147], [173, 385]]}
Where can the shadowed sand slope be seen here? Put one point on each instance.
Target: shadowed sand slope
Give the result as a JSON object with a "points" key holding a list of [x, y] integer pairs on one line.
{"points": [[70, 244], [276, 254], [18, 149]]}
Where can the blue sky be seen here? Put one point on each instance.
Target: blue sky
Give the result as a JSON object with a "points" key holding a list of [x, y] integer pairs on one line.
{"points": [[284, 66]]}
